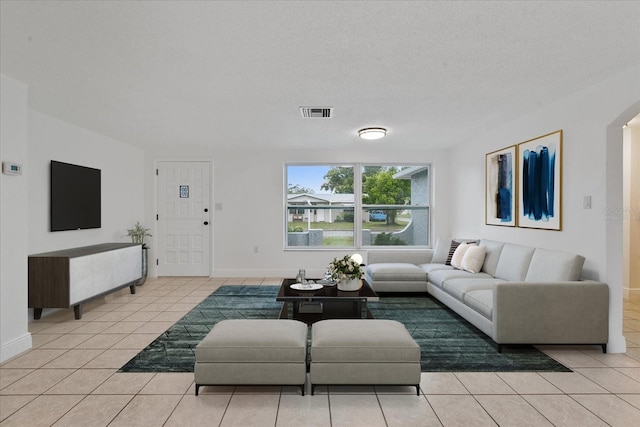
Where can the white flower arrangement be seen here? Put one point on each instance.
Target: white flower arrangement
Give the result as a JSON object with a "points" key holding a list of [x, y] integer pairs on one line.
{"points": [[344, 268]]}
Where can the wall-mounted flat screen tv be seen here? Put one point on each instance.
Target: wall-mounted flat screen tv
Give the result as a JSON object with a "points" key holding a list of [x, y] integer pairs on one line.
{"points": [[75, 197]]}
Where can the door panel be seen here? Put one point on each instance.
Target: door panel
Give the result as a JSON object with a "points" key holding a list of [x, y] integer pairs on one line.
{"points": [[183, 215]]}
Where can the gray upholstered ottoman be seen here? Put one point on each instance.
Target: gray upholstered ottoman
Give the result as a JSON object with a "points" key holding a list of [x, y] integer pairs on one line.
{"points": [[363, 351], [253, 352]]}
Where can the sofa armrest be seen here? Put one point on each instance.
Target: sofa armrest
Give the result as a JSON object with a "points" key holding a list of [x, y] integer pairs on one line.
{"points": [[574, 312], [410, 256]]}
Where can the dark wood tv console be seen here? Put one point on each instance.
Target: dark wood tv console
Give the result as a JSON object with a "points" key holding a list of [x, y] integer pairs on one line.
{"points": [[70, 277]]}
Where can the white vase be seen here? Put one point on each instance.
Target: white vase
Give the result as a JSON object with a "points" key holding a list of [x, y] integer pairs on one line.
{"points": [[349, 284]]}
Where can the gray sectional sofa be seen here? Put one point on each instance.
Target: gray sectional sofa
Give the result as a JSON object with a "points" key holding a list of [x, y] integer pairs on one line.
{"points": [[522, 295]]}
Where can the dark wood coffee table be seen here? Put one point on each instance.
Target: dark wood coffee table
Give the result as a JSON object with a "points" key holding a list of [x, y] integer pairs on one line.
{"points": [[325, 303]]}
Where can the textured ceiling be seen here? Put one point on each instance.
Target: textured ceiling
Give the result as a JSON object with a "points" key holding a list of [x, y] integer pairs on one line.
{"points": [[233, 74]]}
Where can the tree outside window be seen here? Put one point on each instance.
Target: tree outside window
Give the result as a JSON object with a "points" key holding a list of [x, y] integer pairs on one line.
{"points": [[321, 206]]}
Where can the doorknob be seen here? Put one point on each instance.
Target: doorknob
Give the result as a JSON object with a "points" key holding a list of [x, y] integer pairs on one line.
{"points": [[206, 223]]}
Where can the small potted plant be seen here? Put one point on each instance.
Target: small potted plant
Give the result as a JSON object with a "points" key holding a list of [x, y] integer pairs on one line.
{"points": [[346, 273], [137, 234]]}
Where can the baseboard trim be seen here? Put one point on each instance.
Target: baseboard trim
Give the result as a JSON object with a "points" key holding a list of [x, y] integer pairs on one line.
{"points": [[15, 346], [311, 272], [617, 345], [630, 293]]}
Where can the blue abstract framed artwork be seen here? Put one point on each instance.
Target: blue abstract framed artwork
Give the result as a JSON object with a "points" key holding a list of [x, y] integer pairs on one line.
{"points": [[540, 182], [500, 187]]}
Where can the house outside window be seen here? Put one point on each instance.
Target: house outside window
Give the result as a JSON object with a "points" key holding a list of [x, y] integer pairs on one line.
{"points": [[356, 206]]}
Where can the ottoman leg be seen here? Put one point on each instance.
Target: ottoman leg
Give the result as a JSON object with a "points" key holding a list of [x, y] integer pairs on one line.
{"points": [[197, 388]]}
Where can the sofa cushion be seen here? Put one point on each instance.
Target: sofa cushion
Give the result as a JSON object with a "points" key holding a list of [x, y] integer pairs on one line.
{"points": [[514, 262], [441, 252], [438, 277], [428, 268], [396, 271], [458, 287], [473, 259], [410, 256], [554, 266], [493, 250], [481, 301]]}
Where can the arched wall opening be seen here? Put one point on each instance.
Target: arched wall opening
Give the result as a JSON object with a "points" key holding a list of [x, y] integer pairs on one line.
{"points": [[614, 225]]}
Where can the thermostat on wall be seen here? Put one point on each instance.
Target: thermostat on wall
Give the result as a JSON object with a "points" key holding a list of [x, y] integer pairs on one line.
{"points": [[10, 168]]}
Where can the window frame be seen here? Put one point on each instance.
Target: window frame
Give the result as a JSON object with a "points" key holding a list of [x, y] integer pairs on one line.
{"points": [[358, 206]]}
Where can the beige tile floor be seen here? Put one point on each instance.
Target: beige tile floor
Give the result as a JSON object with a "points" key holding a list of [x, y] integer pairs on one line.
{"points": [[71, 378]]}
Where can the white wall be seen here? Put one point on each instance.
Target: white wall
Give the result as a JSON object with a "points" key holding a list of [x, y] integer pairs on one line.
{"points": [[248, 182], [14, 335], [250, 188], [584, 118], [35, 139], [122, 182]]}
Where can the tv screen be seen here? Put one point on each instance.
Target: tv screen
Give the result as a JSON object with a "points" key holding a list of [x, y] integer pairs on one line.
{"points": [[75, 197]]}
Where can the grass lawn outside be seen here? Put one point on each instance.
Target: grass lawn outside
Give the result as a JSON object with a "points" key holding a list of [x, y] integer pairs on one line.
{"points": [[337, 241]]}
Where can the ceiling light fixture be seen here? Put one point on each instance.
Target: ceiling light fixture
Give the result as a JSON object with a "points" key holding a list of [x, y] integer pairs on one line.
{"points": [[372, 133]]}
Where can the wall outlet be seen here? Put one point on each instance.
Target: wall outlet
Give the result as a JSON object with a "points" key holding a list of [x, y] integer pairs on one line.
{"points": [[586, 202], [255, 249]]}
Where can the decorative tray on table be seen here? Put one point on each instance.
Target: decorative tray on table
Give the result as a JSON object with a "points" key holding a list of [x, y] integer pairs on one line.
{"points": [[306, 286]]}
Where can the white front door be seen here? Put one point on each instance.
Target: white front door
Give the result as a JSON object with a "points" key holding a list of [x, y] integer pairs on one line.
{"points": [[183, 218]]}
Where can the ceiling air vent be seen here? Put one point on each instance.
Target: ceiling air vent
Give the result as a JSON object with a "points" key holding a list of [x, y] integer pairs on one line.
{"points": [[317, 112]]}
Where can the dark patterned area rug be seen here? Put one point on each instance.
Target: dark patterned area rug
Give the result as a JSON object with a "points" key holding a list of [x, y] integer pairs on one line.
{"points": [[447, 342]]}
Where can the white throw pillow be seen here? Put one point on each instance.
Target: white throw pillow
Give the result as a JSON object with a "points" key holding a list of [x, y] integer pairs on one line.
{"points": [[474, 258], [456, 259]]}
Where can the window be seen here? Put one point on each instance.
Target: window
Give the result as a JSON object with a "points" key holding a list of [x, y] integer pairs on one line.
{"points": [[356, 206]]}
